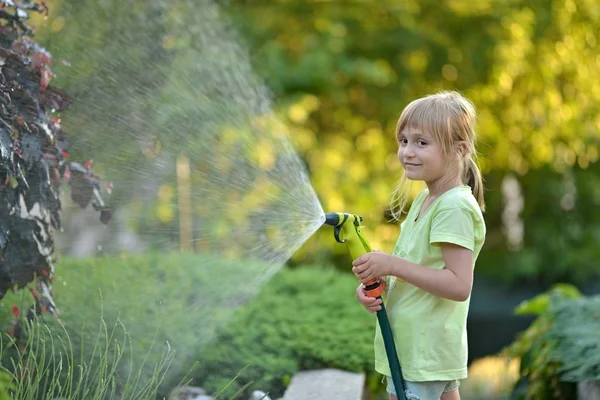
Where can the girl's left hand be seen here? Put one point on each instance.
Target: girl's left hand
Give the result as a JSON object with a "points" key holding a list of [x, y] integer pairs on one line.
{"points": [[372, 266]]}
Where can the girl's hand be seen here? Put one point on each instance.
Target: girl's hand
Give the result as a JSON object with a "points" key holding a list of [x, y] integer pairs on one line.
{"points": [[372, 266], [372, 304]]}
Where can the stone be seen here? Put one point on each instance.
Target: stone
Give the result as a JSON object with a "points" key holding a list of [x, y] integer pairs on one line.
{"points": [[259, 395], [326, 384], [588, 390], [189, 393]]}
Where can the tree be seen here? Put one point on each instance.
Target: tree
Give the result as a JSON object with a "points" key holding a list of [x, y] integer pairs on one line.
{"points": [[34, 162], [340, 74]]}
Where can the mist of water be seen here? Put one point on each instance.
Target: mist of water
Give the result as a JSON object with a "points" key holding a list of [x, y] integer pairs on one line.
{"points": [[166, 103]]}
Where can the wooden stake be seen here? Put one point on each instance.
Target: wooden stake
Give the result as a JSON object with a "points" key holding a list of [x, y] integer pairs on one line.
{"points": [[184, 193]]}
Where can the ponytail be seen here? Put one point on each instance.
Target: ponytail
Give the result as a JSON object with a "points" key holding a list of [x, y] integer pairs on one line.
{"points": [[472, 176]]}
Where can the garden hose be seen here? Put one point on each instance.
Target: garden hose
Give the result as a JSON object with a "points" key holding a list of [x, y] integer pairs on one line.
{"points": [[347, 229]]}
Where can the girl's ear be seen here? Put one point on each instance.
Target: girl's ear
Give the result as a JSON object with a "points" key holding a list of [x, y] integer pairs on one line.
{"points": [[462, 148]]}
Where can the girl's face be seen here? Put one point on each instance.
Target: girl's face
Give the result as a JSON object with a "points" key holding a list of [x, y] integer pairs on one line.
{"points": [[421, 156]]}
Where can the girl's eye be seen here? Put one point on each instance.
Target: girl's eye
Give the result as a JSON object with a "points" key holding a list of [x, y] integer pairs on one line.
{"points": [[422, 143], [403, 140]]}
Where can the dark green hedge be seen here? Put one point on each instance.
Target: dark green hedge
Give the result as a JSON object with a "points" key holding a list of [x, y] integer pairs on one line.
{"points": [[306, 318]]}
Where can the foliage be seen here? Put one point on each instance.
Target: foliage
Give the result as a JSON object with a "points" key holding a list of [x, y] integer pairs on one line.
{"points": [[343, 80], [340, 81], [173, 301], [7, 386], [304, 319], [165, 302], [540, 369], [47, 365], [567, 255], [576, 329], [33, 162]]}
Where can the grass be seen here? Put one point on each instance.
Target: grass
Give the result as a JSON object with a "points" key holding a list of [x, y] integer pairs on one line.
{"points": [[47, 366]]}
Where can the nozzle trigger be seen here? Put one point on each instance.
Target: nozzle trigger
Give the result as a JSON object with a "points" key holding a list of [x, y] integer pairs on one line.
{"points": [[336, 234]]}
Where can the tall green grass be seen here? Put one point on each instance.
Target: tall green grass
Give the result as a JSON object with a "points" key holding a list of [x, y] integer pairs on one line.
{"points": [[46, 365]]}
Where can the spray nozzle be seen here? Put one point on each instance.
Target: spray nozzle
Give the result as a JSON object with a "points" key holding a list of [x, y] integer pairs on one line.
{"points": [[338, 220], [334, 219]]}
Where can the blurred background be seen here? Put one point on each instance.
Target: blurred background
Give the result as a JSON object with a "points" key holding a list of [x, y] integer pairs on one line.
{"points": [[153, 83], [340, 74]]}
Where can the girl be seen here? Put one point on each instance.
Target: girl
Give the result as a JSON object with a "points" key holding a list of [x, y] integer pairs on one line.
{"points": [[430, 272]]}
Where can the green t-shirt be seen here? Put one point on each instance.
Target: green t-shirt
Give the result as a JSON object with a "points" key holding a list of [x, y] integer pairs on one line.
{"points": [[430, 332]]}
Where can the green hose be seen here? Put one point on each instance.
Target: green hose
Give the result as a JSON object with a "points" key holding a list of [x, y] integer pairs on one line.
{"points": [[390, 350], [348, 230]]}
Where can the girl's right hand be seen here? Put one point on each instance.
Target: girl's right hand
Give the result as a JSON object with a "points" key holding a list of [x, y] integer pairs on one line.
{"points": [[372, 304]]}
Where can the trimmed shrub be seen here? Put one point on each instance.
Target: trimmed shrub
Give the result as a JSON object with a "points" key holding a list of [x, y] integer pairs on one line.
{"points": [[306, 318]]}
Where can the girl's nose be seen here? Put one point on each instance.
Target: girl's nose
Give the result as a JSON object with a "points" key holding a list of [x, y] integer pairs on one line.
{"points": [[406, 152]]}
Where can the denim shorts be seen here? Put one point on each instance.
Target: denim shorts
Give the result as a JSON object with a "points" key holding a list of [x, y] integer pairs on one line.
{"points": [[423, 390]]}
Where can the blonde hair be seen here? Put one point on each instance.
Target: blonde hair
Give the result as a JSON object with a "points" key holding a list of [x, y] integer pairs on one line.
{"points": [[450, 118]]}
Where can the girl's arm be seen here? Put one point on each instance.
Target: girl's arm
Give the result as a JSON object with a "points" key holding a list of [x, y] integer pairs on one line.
{"points": [[454, 282]]}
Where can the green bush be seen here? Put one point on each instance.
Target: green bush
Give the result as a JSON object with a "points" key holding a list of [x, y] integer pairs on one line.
{"points": [[164, 301], [576, 331], [305, 318], [560, 347]]}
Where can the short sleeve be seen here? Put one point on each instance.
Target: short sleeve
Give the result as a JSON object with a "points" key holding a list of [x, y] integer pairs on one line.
{"points": [[454, 226]]}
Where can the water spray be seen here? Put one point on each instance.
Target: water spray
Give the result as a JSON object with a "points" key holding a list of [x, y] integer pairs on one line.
{"points": [[347, 228]]}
